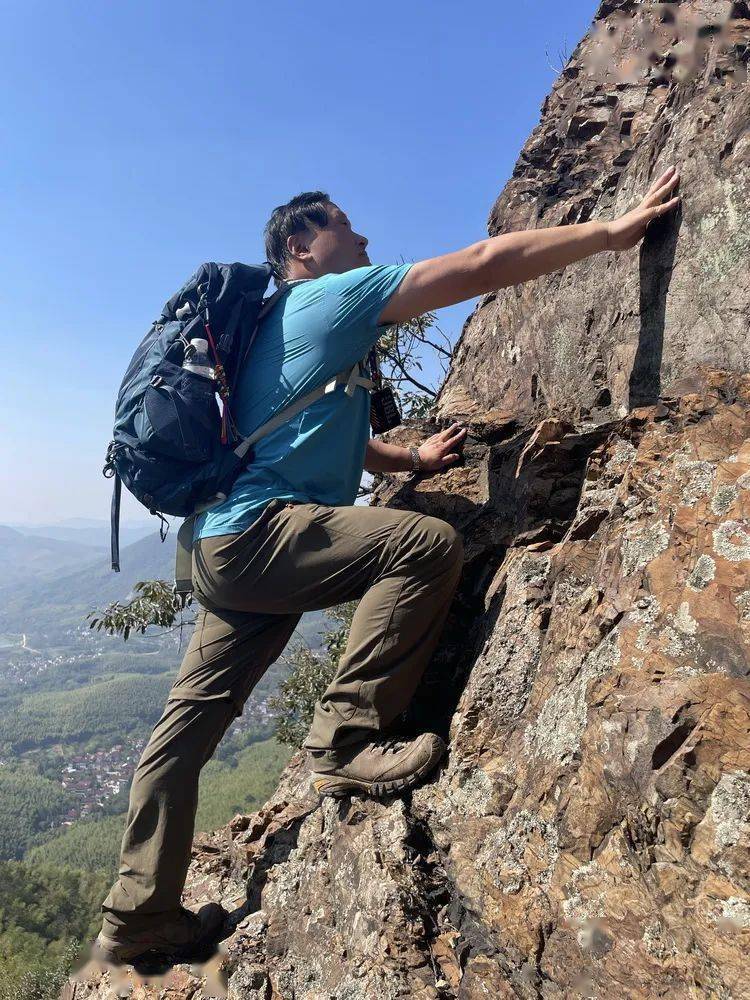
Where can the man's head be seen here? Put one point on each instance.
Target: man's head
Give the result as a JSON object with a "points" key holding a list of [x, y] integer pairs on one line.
{"points": [[311, 236]]}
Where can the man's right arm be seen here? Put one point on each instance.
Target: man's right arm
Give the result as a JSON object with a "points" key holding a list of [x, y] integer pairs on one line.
{"points": [[517, 257]]}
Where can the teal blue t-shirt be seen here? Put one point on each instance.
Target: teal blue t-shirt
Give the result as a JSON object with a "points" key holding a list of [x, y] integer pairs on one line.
{"points": [[316, 329]]}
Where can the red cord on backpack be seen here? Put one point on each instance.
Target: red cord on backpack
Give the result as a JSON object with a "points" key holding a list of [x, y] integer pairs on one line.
{"points": [[222, 380]]}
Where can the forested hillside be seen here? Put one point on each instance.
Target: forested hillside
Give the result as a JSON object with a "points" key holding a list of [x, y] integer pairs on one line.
{"points": [[26, 557], [76, 709], [50, 897], [97, 714], [29, 806]]}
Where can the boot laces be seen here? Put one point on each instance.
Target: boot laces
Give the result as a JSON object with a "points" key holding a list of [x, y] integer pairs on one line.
{"points": [[390, 746]]}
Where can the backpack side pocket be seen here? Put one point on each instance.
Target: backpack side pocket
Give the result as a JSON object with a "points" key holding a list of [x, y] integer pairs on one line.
{"points": [[180, 416]]}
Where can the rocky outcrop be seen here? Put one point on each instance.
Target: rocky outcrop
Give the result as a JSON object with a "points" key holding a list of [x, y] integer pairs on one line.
{"points": [[653, 84], [589, 834]]}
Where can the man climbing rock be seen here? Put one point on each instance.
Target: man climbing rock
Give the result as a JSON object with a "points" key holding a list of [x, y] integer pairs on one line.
{"points": [[289, 539]]}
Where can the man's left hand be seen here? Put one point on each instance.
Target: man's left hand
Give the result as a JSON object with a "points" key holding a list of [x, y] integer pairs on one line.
{"points": [[442, 449]]}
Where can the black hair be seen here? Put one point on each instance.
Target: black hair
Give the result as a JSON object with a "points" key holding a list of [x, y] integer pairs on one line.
{"points": [[294, 217]]}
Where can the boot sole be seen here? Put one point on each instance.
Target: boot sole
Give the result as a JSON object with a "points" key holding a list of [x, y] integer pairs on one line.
{"points": [[106, 949], [113, 952], [337, 786]]}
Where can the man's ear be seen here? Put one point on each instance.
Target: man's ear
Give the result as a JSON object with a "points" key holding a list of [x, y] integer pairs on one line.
{"points": [[298, 245]]}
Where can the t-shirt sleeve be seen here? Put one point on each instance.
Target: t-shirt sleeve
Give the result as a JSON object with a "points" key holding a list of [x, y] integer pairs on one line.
{"points": [[355, 300]]}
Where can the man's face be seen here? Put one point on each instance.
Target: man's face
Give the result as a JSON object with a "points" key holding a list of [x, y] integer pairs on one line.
{"points": [[336, 248]]}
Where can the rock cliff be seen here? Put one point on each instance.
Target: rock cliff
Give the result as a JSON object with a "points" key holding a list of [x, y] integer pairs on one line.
{"points": [[589, 834], [651, 85]]}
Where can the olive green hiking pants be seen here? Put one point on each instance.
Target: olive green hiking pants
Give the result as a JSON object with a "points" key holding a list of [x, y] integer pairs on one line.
{"points": [[402, 566]]}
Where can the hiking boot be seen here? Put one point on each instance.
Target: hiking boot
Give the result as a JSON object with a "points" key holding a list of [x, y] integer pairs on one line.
{"points": [[380, 768], [193, 936]]}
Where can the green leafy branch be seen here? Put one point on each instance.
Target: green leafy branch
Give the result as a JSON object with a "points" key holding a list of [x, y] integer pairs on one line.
{"points": [[400, 347], [155, 604]]}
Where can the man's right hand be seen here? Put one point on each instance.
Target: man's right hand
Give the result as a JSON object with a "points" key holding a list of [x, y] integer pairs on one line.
{"points": [[624, 233], [511, 258]]}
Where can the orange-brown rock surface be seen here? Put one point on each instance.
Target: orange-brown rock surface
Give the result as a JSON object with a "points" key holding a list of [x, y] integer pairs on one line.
{"points": [[589, 834], [653, 84]]}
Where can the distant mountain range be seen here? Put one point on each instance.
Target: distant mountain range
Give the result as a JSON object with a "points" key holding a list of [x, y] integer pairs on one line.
{"points": [[48, 605], [88, 530], [24, 557], [63, 580]]}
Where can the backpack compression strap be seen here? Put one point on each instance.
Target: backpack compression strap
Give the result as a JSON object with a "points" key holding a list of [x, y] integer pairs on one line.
{"points": [[183, 576], [114, 534], [183, 560]]}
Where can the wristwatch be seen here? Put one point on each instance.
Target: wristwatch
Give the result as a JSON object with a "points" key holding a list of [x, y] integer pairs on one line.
{"points": [[416, 461]]}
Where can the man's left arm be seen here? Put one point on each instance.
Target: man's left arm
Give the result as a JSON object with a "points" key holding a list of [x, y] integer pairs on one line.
{"points": [[435, 453]]}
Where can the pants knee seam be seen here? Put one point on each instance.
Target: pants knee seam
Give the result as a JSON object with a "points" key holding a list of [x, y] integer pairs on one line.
{"points": [[200, 697]]}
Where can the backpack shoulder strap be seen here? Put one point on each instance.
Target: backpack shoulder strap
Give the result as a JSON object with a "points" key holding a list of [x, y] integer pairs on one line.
{"points": [[265, 308], [350, 377]]}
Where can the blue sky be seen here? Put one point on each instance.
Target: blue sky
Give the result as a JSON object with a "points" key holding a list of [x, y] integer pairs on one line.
{"points": [[140, 139]]}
